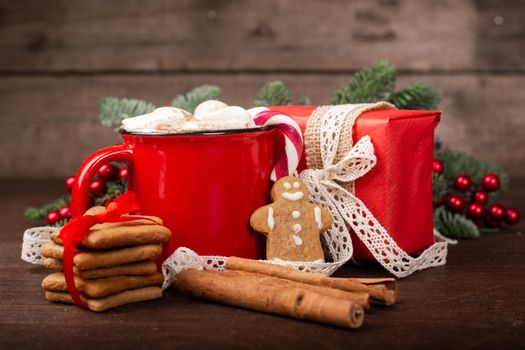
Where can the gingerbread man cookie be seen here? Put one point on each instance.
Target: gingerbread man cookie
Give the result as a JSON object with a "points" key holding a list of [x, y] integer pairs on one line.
{"points": [[291, 224]]}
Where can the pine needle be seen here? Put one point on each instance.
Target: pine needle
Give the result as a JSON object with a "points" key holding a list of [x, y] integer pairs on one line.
{"points": [[454, 225], [193, 98], [439, 187], [112, 110], [457, 163], [273, 93], [416, 96], [371, 84], [37, 214]]}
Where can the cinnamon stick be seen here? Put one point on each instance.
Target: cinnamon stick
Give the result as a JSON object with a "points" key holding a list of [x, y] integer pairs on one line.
{"points": [[388, 282], [269, 295], [382, 291], [362, 299]]}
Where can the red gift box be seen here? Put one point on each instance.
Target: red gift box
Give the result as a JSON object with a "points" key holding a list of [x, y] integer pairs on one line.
{"points": [[398, 190]]}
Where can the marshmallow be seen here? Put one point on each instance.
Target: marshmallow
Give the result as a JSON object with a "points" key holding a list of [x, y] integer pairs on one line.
{"points": [[162, 115], [211, 115], [234, 117], [208, 107], [191, 126], [168, 113]]}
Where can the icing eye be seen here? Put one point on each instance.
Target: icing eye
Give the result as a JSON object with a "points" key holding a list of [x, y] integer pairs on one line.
{"points": [[287, 185], [296, 184]]}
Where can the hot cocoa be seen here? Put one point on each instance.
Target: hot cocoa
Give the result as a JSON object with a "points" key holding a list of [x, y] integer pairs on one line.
{"points": [[210, 115]]}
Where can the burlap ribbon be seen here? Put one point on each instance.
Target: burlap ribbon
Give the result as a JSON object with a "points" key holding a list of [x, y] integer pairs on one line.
{"points": [[334, 164]]}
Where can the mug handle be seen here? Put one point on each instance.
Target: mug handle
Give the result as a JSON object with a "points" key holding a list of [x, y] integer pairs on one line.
{"points": [[88, 169]]}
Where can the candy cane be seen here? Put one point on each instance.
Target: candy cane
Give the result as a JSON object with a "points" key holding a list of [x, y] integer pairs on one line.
{"points": [[293, 139]]}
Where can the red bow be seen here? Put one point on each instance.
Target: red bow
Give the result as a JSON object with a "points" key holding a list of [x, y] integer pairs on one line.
{"points": [[77, 229]]}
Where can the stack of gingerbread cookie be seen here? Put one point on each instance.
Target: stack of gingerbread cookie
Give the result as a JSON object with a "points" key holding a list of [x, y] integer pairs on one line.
{"points": [[114, 264]]}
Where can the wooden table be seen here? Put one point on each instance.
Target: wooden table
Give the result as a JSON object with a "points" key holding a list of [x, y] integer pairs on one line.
{"points": [[476, 301]]}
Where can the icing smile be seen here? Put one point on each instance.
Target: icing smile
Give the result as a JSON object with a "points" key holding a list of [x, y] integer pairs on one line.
{"points": [[293, 196]]}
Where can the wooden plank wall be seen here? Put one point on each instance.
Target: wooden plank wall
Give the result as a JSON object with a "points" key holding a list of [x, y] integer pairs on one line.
{"points": [[58, 58]]}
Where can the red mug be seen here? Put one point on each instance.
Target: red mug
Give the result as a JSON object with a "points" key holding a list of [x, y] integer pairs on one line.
{"points": [[204, 185]]}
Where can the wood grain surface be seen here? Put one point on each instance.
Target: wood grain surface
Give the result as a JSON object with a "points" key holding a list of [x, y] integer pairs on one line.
{"points": [[476, 301], [261, 35], [50, 124], [57, 59]]}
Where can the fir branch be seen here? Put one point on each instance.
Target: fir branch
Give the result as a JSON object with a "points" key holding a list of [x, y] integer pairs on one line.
{"points": [[373, 83], [193, 98], [114, 190], [439, 187], [273, 93], [305, 101], [36, 214], [457, 163], [112, 110], [60, 223], [416, 96], [453, 225], [438, 145]]}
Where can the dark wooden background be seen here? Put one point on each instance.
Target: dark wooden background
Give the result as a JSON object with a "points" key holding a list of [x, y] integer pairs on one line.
{"points": [[57, 58]]}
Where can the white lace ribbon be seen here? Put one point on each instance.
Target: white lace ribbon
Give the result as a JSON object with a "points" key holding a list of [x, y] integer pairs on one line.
{"points": [[349, 211], [33, 239]]}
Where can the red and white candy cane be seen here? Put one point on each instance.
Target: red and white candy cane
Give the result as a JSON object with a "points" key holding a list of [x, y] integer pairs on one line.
{"points": [[293, 139]]}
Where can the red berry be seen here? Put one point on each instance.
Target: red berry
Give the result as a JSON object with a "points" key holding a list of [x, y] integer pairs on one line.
{"points": [[462, 183], [69, 183], [496, 211], [439, 202], [491, 222], [107, 172], [437, 166], [480, 197], [97, 187], [53, 217], [490, 182], [65, 212], [123, 174], [512, 216], [455, 202], [475, 210]]}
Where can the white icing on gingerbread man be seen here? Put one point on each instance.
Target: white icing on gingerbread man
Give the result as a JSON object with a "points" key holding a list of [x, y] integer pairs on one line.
{"points": [[271, 221], [297, 240], [291, 224], [317, 214]]}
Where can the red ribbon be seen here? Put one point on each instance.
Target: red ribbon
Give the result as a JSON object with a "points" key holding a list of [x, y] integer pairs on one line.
{"points": [[77, 229]]}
